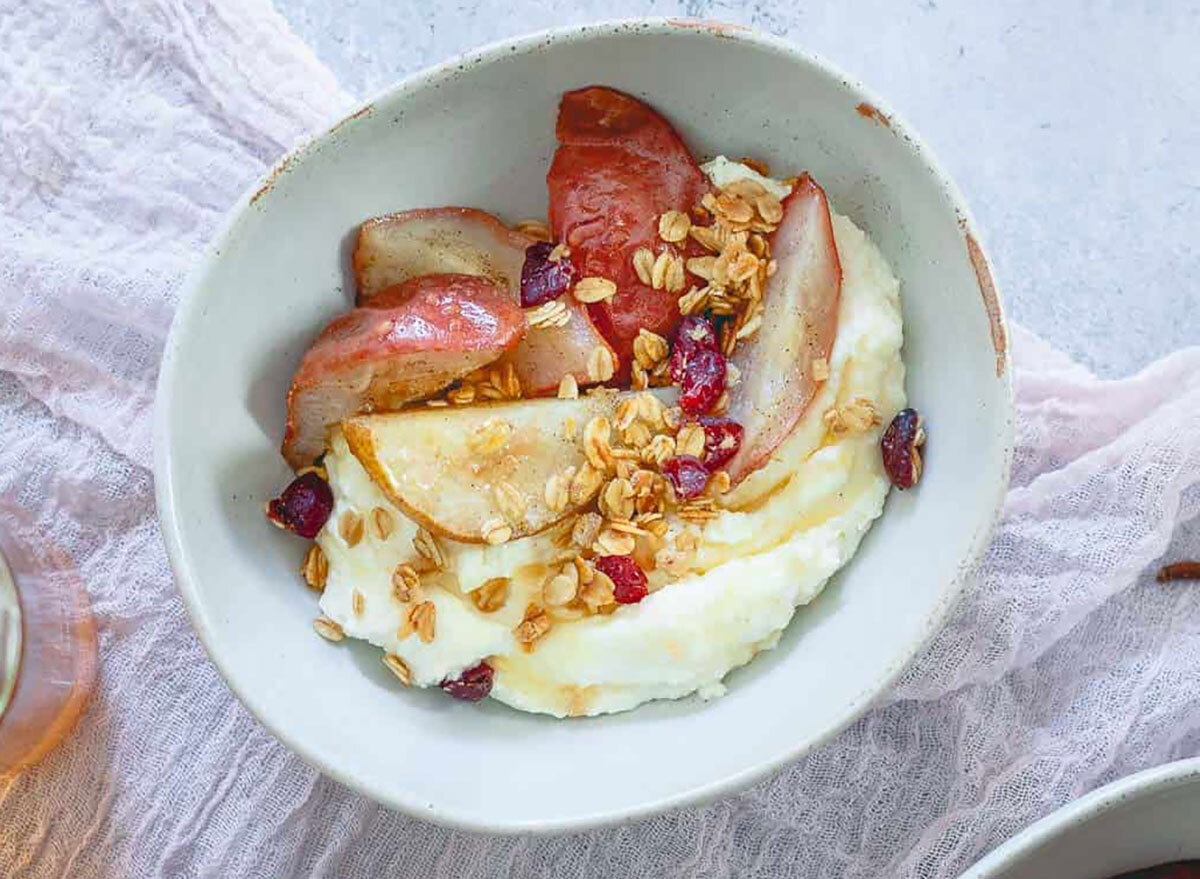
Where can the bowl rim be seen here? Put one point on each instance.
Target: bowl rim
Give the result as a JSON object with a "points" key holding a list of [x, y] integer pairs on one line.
{"points": [[1084, 810], [191, 302]]}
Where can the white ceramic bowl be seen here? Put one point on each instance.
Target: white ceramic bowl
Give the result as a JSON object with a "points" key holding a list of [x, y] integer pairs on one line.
{"points": [[479, 130], [1139, 821]]}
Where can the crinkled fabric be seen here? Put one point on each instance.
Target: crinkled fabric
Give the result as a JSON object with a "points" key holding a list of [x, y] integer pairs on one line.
{"points": [[126, 129]]}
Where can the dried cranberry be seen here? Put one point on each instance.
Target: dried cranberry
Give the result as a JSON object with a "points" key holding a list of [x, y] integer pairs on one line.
{"points": [[722, 439], [703, 381], [472, 685], [687, 475], [629, 581], [543, 279], [304, 505], [695, 333], [901, 447]]}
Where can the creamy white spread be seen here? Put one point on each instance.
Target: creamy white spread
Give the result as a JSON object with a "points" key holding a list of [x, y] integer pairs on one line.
{"points": [[782, 533]]}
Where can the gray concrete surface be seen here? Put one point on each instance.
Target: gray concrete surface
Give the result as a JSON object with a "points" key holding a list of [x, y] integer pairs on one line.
{"points": [[1073, 128]]}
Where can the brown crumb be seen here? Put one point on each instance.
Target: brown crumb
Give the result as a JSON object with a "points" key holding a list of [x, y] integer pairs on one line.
{"points": [[1179, 571]]}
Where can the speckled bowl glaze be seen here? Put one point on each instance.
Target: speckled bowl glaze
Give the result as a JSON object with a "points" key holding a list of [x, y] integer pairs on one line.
{"points": [[479, 130], [1139, 821]]}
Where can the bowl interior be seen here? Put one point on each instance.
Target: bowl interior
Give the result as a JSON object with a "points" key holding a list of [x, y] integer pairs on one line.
{"points": [[481, 133]]}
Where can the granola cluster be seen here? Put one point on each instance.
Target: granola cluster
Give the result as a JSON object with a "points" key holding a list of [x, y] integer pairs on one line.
{"points": [[484, 385], [625, 502], [737, 261]]}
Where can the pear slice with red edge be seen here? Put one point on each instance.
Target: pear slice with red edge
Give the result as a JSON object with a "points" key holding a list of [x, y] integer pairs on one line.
{"points": [[619, 166], [435, 329], [779, 365], [396, 247]]}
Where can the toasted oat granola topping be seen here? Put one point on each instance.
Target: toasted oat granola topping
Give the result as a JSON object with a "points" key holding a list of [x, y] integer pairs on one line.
{"points": [[650, 349], [461, 396], [350, 527], [660, 450], [422, 619], [560, 589], [626, 413], [585, 484], [740, 262], [496, 531], [694, 300], [709, 237], [583, 569], [315, 568], [398, 667], [673, 226], [406, 584], [549, 314], [855, 416], [427, 547], [730, 207], [612, 541], [643, 265], [617, 499], [596, 445], [498, 382], [601, 365], [639, 378], [585, 530], [534, 626], [490, 437], [593, 289], [537, 229], [491, 595], [568, 388], [382, 523], [598, 591], [328, 629], [690, 440], [667, 272], [634, 504]]}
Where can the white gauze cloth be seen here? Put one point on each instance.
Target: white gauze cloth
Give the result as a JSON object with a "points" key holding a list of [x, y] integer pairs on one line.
{"points": [[126, 129]]}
